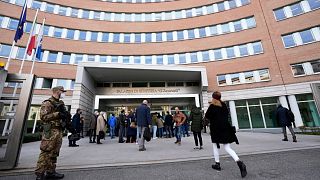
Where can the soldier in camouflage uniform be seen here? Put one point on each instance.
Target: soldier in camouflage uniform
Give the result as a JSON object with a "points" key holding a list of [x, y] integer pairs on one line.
{"points": [[51, 118]]}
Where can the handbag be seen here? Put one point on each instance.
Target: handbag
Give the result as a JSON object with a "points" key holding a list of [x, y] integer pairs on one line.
{"points": [[101, 135], [147, 134]]}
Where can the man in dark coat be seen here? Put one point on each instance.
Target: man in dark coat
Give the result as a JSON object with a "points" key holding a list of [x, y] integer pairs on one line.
{"points": [[168, 121], [76, 127], [285, 119], [92, 127], [122, 118], [196, 125], [222, 132], [143, 118]]}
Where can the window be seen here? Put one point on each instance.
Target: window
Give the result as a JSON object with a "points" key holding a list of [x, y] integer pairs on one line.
{"points": [[62, 11], [72, 84], [210, 9], [217, 54], [96, 15], [139, 84], [120, 84], [237, 26], [189, 13], [78, 58], [126, 38], [116, 37], [225, 28], [137, 38], [91, 58], [280, 15], [170, 59], [235, 78], [159, 59], [257, 47], [288, 41], [157, 84], [297, 70], [191, 34], [205, 56], [194, 57], [199, 11], [137, 60], [114, 59], [1, 19], [232, 4], [62, 82], [315, 66], [103, 58], [127, 17], [65, 59], [251, 22], [314, 4], [180, 35], [175, 84], [230, 52], [222, 80], [105, 37], [249, 78], [57, 32], [182, 58], [94, 36], [148, 59], [221, 6], [202, 32], [85, 14], [159, 37], [36, 5], [126, 59], [138, 17], [245, 2], [306, 36], [70, 34], [28, 27], [47, 83], [264, 75], [296, 9], [46, 30], [50, 8], [169, 36], [74, 12], [213, 30], [148, 37], [52, 57], [192, 83], [243, 50], [20, 52], [13, 24], [82, 35]]}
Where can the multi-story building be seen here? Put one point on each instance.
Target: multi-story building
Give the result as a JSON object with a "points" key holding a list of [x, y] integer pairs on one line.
{"points": [[112, 54]]}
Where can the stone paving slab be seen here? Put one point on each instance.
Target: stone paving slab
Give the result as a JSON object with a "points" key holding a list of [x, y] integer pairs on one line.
{"points": [[111, 153]]}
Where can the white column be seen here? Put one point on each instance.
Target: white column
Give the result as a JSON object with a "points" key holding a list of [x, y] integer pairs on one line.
{"points": [[233, 114], [295, 109], [283, 101]]}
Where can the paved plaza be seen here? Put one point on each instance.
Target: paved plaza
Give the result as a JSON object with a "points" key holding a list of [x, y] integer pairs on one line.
{"points": [[114, 158]]}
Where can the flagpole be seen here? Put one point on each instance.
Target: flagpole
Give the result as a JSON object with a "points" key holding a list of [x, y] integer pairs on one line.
{"points": [[38, 42], [9, 58], [31, 32]]}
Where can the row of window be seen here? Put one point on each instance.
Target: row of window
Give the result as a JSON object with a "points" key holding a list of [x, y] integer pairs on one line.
{"points": [[237, 51], [306, 68], [48, 83], [243, 77], [148, 84], [133, 17], [302, 37], [214, 30], [296, 9], [136, 1]]}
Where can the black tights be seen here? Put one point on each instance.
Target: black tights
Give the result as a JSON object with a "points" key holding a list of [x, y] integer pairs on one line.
{"points": [[196, 135]]}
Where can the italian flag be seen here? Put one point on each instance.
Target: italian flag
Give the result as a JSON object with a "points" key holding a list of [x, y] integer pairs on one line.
{"points": [[32, 43]]}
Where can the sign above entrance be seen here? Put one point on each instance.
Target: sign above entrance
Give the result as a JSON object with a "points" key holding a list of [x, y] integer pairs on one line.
{"points": [[147, 91], [151, 91]]}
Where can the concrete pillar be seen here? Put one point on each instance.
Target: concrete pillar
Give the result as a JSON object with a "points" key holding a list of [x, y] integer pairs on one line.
{"points": [[233, 114], [295, 109], [283, 101]]}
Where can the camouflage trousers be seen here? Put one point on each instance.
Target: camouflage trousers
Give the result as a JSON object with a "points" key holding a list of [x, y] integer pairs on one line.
{"points": [[50, 148]]}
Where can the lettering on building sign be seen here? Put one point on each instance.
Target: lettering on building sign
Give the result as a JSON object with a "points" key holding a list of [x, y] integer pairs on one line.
{"points": [[146, 91]]}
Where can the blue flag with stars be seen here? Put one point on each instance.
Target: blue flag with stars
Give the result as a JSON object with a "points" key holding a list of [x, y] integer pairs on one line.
{"points": [[22, 21]]}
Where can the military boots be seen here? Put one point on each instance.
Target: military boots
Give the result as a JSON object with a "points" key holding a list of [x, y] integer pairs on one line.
{"points": [[54, 175]]}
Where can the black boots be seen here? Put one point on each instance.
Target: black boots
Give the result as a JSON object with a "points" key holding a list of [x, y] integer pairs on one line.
{"points": [[294, 139], [54, 175], [285, 139], [216, 166], [40, 177], [242, 168]]}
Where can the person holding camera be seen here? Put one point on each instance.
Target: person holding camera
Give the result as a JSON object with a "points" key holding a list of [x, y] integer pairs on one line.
{"points": [[54, 119]]}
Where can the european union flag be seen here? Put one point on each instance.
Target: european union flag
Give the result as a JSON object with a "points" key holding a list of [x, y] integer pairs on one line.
{"points": [[22, 20]]}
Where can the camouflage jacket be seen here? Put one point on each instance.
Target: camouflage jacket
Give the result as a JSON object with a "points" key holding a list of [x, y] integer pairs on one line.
{"points": [[49, 114]]}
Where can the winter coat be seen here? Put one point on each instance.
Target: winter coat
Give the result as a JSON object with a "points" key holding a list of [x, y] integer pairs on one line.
{"points": [[220, 129], [76, 122], [100, 124], [112, 121], [122, 119], [168, 120], [143, 116], [93, 122], [159, 123], [282, 116], [196, 118]]}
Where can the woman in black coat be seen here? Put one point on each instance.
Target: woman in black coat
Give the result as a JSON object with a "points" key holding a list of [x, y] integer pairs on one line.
{"points": [[196, 125], [222, 132]]}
